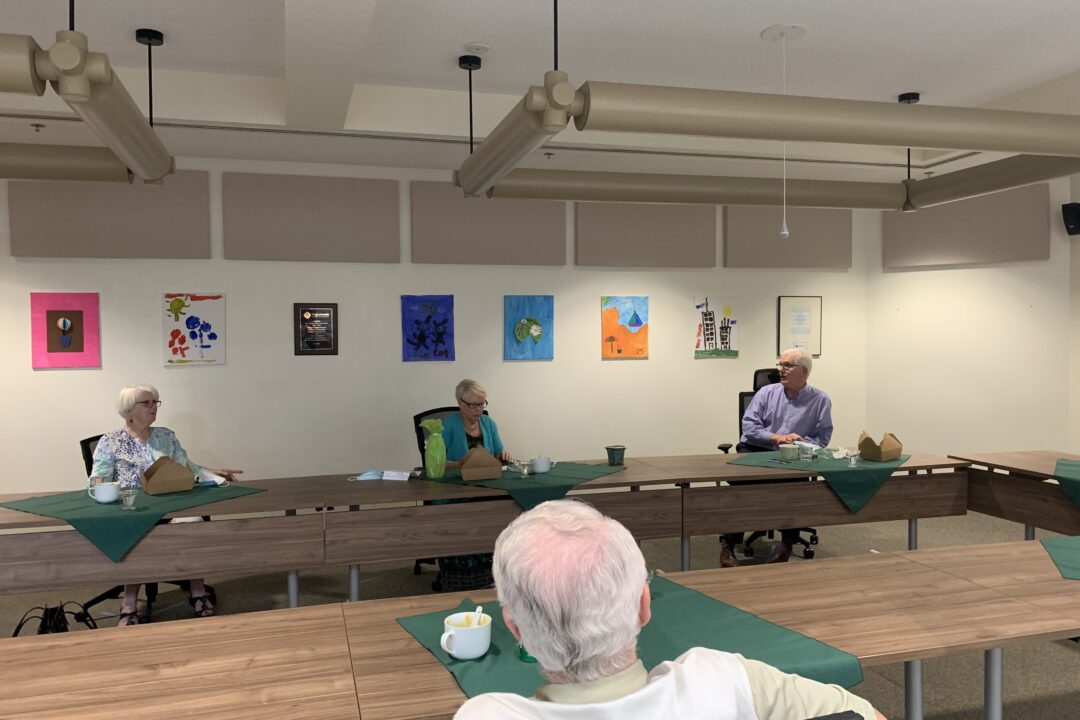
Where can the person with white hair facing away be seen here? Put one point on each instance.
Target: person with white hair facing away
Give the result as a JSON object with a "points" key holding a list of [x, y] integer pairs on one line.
{"points": [[122, 456], [574, 592], [781, 413]]}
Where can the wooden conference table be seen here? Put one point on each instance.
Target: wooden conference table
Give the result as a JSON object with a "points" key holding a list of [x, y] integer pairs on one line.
{"points": [[381, 520], [353, 660], [1013, 486]]}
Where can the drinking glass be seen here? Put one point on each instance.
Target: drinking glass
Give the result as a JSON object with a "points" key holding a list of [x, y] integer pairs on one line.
{"points": [[128, 496], [853, 457], [806, 453]]}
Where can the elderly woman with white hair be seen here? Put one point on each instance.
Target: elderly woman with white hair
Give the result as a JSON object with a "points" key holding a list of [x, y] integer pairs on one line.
{"points": [[464, 430], [123, 454], [573, 589]]}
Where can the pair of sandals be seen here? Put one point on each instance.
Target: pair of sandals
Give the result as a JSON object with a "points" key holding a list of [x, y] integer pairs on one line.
{"points": [[200, 603]]}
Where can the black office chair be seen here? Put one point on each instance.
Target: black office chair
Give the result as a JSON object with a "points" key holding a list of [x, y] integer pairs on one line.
{"points": [[421, 440], [88, 446], [763, 377]]}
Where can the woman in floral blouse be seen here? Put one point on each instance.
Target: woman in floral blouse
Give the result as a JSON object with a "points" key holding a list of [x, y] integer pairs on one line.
{"points": [[123, 454]]}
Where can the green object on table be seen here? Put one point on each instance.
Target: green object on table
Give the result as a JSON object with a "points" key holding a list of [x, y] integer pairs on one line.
{"points": [[1067, 473], [681, 619], [530, 491], [853, 485], [110, 528], [1065, 552], [434, 448]]}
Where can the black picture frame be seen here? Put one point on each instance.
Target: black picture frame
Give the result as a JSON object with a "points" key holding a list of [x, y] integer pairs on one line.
{"points": [[315, 329]]}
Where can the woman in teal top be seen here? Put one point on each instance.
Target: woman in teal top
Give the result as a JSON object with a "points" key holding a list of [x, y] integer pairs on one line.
{"points": [[462, 431]]}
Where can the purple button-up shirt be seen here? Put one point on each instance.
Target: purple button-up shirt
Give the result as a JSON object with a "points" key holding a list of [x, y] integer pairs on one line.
{"points": [[771, 412]]}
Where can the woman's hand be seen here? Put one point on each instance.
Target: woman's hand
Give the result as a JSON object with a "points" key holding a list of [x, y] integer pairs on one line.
{"points": [[505, 456], [227, 474]]}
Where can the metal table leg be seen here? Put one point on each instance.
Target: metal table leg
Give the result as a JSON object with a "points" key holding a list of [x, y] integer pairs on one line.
{"points": [[913, 704], [354, 583], [992, 686], [294, 588], [1029, 532], [913, 534]]}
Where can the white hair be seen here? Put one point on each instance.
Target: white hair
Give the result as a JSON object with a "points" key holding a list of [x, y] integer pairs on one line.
{"points": [[802, 358], [125, 401], [466, 385], [571, 579]]}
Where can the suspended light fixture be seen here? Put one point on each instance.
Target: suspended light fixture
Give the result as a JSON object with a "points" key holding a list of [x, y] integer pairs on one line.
{"points": [[908, 98], [781, 33]]}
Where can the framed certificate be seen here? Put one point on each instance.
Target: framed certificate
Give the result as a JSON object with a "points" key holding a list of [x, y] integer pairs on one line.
{"points": [[315, 328], [798, 323]]}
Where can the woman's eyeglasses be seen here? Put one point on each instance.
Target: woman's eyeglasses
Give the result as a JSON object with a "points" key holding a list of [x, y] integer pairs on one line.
{"points": [[474, 406], [148, 403]]}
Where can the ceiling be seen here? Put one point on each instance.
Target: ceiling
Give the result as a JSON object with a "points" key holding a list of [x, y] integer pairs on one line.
{"points": [[344, 75]]}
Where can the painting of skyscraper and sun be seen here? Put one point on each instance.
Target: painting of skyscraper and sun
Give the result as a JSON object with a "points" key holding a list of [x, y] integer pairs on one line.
{"points": [[528, 327], [717, 328], [624, 327]]}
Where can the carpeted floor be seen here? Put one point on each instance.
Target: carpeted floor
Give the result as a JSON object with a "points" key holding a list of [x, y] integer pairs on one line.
{"points": [[1042, 679]]}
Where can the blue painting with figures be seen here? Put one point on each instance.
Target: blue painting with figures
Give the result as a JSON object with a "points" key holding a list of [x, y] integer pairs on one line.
{"points": [[528, 327], [427, 328]]}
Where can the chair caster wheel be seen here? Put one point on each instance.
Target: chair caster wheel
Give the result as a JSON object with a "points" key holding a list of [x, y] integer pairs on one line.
{"points": [[808, 553], [813, 539], [748, 551], [416, 569]]}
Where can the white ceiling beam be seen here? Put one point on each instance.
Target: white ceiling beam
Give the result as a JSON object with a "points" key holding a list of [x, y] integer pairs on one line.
{"points": [[324, 40]]}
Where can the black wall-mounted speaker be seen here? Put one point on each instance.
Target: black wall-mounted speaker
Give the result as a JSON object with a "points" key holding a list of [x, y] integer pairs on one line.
{"points": [[1070, 213]]}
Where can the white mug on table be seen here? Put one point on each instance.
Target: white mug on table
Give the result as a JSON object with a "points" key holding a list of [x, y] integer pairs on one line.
{"points": [[464, 637], [105, 492]]}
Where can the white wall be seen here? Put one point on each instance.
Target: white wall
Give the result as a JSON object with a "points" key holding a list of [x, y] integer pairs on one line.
{"points": [[275, 414], [975, 358]]}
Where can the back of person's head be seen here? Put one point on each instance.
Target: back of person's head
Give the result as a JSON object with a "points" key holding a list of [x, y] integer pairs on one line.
{"points": [[571, 580]]}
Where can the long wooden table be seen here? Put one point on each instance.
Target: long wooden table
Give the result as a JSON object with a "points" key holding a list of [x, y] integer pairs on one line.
{"points": [[384, 520], [1013, 486], [350, 660]]}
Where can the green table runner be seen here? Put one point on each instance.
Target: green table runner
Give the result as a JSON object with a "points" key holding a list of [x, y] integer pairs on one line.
{"points": [[530, 491], [853, 485], [681, 619], [1067, 472], [110, 528], [1065, 552]]}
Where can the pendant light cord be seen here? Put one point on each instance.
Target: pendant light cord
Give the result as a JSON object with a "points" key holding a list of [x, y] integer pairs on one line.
{"points": [[150, 79], [71, 15], [556, 44], [783, 88], [470, 115]]}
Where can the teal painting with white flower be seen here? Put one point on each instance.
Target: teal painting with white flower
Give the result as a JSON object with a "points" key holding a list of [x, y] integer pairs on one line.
{"points": [[528, 327]]}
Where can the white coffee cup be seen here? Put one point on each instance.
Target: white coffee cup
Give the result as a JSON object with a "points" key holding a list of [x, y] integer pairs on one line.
{"points": [[105, 492], [464, 638], [540, 464], [789, 452]]}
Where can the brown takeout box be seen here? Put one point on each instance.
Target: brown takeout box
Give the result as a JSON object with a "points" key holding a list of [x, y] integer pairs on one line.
{"points": [[888, 449], [479, 464], [167, 476]]}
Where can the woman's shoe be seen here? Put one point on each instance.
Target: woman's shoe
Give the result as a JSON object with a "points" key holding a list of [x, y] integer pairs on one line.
{"points": [[128, 618], [202, 605]]}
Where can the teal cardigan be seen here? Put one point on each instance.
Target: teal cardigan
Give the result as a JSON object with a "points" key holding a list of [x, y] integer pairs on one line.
{"points": [[457, 443]]}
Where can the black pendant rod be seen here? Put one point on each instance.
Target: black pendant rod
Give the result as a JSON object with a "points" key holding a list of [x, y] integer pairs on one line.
{"points": [[470, 63], [71, 15], [556, 35], [150, 38], [470, 114]]}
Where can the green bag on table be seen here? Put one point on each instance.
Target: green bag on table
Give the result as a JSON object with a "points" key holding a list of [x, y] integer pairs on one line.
{"points": [[434, 448]]}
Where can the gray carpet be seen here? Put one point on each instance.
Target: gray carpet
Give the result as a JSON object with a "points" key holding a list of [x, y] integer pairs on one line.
{"points": [[1042, 679]]}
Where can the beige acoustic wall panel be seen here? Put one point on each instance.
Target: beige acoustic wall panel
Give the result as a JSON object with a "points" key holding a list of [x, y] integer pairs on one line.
{"points": [[448, 228], [319, 219], [646, 235], [112, 220], [819, 238], [1008, 226]]}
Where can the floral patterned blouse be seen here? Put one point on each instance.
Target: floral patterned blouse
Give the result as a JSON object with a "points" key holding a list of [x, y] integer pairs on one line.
{"points": [[122, 458]]}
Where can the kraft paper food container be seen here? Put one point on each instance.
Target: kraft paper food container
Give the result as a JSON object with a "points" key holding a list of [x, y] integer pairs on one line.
{"points": [[167, 476], [889, 448], [479, 464]]}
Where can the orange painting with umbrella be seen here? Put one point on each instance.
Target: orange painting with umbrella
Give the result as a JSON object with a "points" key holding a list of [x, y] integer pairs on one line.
{"points": [[624, 327]]}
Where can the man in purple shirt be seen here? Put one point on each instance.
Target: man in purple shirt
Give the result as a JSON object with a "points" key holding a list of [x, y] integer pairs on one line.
{"points": [[783, 412]]}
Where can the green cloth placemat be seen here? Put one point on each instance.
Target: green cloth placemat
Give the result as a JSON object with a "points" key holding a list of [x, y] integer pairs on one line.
{"points": [[530, 491], [1067, 472], [110, 528], [681, 619], [853, 485], [1065, 552]]}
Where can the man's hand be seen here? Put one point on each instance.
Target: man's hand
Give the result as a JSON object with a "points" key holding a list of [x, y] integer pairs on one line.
{"points": [[789, 438]]}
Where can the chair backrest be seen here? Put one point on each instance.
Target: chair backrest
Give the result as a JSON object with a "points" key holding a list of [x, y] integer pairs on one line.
{"points": [[422, 433], [88, 445], [744, 402], [765, 376]]}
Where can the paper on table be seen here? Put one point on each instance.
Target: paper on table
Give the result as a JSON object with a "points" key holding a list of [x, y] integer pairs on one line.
{"points": [[383, 475], [396, 475], [208, 477]]}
